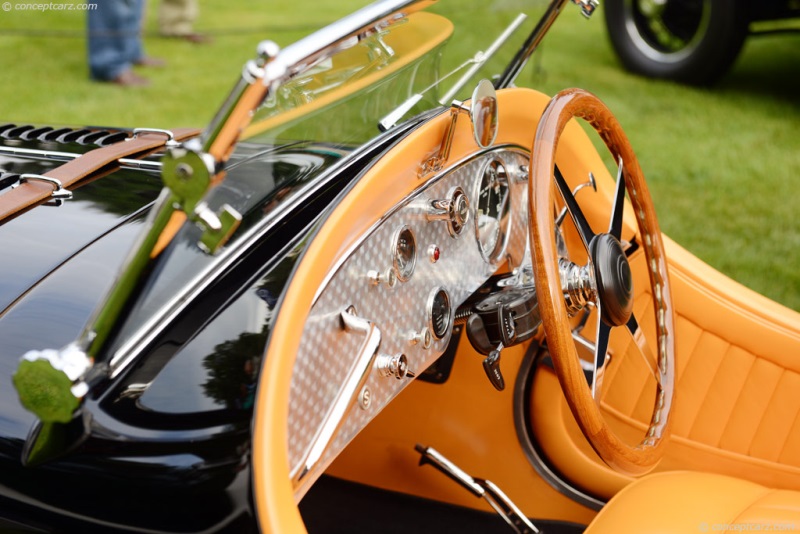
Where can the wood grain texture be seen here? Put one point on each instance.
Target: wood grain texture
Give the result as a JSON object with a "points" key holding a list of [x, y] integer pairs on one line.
{"points": [[627, 459]]}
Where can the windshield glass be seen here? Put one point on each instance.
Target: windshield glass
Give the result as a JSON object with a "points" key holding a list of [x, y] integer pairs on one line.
{"points": [[329, 102], [398, 72]]}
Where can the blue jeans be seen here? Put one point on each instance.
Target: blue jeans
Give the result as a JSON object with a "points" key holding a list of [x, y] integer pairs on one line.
{"points": [[114, 37]]}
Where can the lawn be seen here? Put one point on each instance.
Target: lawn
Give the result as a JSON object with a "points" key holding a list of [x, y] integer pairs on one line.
{"points": [[723, 163]]}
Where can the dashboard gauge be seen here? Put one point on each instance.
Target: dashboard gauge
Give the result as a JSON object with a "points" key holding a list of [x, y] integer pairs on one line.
{"points": [[404, 253], [439, 312], [492, 211]]}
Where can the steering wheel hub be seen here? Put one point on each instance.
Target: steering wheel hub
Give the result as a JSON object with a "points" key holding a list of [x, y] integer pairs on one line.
{"points": [[614, 279]]}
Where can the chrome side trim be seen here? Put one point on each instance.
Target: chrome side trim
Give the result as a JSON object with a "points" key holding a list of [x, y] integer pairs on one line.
{"points": [[141, 164], [539, 464], [34, 153], [69, 156]]}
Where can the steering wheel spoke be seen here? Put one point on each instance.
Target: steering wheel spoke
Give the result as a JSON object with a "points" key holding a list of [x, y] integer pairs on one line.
{"points": [[600, 358], [615, 227], [644, 350], [574, 210]]}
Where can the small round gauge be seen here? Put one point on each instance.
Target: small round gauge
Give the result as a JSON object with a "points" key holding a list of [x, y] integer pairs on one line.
{"points": [[404, 253], [439, 312], [492, 211]]}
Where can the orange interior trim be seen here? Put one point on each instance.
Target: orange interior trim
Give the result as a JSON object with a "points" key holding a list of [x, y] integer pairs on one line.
{"points": [[363, 206]]}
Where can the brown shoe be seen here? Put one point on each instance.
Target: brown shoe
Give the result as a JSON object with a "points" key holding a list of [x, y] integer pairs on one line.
{"points": [[130, 79], [194, 38], [197, 38], [147, 61]]}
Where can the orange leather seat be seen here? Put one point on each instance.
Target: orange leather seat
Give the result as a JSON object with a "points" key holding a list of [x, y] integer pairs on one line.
{"points": [[692, 502]]}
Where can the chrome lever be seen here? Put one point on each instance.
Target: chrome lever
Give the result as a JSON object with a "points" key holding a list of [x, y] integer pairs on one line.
{"points": [[481, 488], [348, 394]]}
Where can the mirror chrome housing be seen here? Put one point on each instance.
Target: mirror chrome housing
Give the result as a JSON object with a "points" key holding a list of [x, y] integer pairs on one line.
{"points": [[483, 112]]}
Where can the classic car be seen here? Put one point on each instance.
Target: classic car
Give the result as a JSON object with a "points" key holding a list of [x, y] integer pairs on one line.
{"points": [[383, 290], [692, 41]]}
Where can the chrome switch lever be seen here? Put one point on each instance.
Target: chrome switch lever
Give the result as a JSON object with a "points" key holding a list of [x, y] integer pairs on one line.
{"points": [[481, 488]]}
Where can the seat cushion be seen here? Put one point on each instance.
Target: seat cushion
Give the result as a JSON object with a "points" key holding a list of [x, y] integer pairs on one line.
{"points": [[693, 502]]}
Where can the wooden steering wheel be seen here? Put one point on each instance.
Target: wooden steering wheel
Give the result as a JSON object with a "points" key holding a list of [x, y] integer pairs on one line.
{"points": [[605, 282]]}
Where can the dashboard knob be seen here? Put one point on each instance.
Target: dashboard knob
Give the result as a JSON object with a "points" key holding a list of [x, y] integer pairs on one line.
{"points": [[376, 277], [393, 366], [454, 210]]}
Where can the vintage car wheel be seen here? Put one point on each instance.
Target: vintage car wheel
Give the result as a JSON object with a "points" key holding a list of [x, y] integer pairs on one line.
{"points": [[692, 41], [563, 288]]}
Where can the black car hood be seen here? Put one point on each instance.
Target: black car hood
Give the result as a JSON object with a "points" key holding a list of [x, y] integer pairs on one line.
{"points": [[58, 261], [41, 304]]}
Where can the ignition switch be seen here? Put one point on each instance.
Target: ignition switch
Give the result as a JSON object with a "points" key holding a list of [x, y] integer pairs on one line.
{"points": [[502, 319]]}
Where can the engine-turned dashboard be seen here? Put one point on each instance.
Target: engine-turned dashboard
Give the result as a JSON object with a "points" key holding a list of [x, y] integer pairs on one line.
{"points": [[386, 310]]}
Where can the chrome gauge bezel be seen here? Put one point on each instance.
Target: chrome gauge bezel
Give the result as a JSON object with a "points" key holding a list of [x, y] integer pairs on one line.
{"points": [[457, 194], [400, 274], [504, 228], [429, 310]]}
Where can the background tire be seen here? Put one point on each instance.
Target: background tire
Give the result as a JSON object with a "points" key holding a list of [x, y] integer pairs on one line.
{"points": [[691, 41]]}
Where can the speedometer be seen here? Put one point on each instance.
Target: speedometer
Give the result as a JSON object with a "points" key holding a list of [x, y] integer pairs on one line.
{"points": [[492, 211]]}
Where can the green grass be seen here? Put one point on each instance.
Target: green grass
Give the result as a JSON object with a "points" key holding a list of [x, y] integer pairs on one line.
{"points": [[723, 163]]}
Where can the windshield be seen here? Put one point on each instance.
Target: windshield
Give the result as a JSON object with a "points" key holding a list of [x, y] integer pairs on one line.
{"points": [[421, 62], [283, 136]]}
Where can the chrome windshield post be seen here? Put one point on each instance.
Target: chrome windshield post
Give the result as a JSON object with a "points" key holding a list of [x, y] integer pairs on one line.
{"points": [[53, 383], [532, 42]]}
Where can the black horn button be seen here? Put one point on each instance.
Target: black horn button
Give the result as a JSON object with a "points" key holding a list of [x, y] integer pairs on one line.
{"points": [[614, 279]]}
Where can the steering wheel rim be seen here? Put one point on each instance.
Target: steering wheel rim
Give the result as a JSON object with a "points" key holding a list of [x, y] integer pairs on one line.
{"points": [[603, 281]]}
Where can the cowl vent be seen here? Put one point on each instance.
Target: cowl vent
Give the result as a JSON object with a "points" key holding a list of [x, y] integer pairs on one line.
{"points": [[91, 137]]}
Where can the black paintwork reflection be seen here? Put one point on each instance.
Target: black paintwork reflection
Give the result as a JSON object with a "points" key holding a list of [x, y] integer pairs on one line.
{"points": [[259, 182], [36, 242], [217, 369], [232, 369], [233, 366], [53, 314]]}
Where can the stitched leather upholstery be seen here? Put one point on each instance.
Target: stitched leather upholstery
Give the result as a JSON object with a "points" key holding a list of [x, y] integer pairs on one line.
{"points": [[737, 376], [737, 408], [687, 502]]}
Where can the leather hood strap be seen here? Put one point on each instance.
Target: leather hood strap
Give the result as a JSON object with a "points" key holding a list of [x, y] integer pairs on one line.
{"points": [[30, 193]]}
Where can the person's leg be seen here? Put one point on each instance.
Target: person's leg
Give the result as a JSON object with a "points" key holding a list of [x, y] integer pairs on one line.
{"points": [[176, 17], [134, 46], [107, 39]]}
